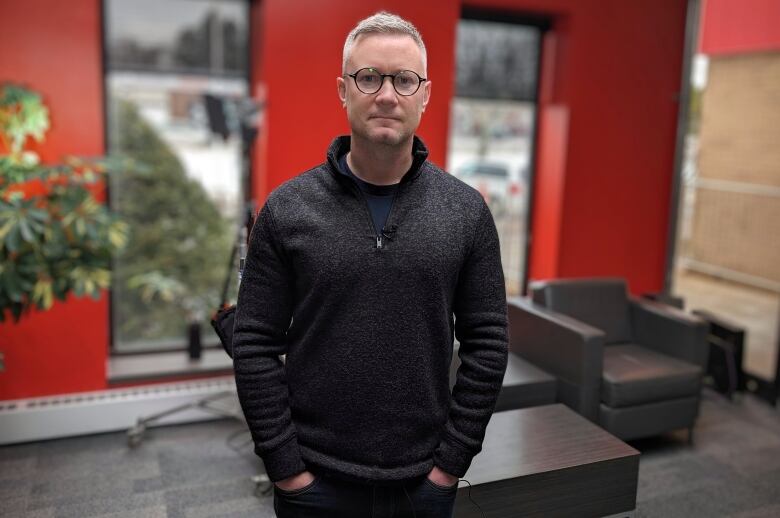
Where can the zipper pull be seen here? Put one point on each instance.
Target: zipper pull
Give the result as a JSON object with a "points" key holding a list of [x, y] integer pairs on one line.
{"points": [[379, 241]]}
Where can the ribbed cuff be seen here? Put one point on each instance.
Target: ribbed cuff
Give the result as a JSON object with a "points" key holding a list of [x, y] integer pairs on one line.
{"points": [[283, 462], [452, 458]]}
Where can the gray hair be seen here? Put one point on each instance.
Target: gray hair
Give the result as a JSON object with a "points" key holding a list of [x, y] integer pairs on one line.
{"points": [[383, 23]]}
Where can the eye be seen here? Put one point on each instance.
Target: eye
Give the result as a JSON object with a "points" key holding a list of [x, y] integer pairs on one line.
{"points": [[404, 80], [367, 78]]}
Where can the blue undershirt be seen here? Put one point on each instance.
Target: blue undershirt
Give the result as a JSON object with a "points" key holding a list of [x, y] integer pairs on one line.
{"points": [[379, 197]]}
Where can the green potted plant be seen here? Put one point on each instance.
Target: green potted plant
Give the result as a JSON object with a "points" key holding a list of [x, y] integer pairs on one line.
{"points": [[56, 237]]}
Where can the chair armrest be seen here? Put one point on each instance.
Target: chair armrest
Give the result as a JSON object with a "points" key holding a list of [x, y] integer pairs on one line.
{"points": [[670, 331], [665, 298], [566, 348]]}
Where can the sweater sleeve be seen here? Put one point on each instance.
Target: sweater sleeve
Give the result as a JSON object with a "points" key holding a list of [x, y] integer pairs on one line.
{"points": [[263, 314], [480, 310]]}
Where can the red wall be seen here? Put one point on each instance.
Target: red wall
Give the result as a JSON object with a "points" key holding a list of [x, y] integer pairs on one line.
{"points": [[54, 47], [611, 70], [617, 72], [730, 27], [614, 66]]}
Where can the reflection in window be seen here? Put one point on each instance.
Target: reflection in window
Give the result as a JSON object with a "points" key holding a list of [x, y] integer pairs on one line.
{"points": [[184, 199], [491, 127], [496, 60], [182, 35]]}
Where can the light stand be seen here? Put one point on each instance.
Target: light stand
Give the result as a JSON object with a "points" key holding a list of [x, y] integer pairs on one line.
{"points": [[225, 116]]}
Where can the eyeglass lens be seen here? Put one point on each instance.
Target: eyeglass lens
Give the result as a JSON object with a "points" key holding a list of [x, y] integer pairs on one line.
{"points": [[369, 81]]}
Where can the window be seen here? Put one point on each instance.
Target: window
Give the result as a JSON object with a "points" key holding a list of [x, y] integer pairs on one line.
{"points": [[728, 219], [183, 195], [492, 127]]}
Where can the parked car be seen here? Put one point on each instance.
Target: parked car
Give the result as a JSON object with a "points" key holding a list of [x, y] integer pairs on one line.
{"points": [[502, 186]]}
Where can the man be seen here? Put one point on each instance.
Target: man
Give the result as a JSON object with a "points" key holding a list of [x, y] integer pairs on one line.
{"points": [[354, 272]]}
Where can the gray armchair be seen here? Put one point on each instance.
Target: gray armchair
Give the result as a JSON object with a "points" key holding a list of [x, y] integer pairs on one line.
{"points": [[524, 384], [632, 366]]}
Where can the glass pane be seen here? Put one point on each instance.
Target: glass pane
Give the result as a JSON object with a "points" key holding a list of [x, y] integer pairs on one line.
{"points": [[729, 214], [183, 211], [496, 60], [182, 197], [182, 35], [491, 128]]}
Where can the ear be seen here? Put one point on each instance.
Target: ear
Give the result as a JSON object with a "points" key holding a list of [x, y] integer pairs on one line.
{"points": [[426, 94], [341, 85]]}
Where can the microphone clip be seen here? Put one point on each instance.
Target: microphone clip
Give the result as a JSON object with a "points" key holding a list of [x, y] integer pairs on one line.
{"points": [[389, 233]]}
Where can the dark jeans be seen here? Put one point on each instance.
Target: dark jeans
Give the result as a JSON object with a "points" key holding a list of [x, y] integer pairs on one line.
{"points": [[329, 497]]}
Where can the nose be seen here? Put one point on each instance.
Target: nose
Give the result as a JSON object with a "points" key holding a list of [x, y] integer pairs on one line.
{"points": [[387, 93]]}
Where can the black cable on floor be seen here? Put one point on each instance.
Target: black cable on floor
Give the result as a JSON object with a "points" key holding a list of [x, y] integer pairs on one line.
{"points": [[472, 500]]}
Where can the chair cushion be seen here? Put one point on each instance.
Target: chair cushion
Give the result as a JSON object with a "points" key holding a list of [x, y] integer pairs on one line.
{"points": [[635, 375], [524, 384], [599, 302]]}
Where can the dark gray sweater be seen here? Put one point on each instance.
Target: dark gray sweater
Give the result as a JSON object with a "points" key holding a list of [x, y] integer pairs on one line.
{"points": [[367, 326]]}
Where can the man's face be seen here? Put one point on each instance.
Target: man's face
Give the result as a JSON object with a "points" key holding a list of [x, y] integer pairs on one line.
{"points": [[384, 117]]}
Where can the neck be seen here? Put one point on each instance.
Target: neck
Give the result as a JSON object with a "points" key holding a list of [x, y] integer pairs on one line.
{"points": [[377, 164]]}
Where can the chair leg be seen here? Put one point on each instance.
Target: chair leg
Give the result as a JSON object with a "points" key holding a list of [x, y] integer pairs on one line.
{"points": [[731, 364], [690, 435]]}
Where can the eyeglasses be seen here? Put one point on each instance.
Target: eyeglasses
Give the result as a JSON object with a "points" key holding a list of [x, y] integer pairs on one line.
{"points": [[369, 81]]}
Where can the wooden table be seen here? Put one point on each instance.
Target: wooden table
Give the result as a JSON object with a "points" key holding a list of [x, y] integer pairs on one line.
{"points": [[549, 461]]}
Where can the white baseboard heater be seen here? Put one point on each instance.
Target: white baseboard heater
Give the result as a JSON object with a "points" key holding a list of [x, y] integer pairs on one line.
{"points": [[67, 415]]}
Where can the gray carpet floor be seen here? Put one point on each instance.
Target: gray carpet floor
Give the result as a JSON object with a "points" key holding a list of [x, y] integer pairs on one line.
{"points": [[204, 470]]}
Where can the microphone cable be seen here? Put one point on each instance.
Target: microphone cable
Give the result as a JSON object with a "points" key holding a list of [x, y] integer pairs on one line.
{"points": [[472, 500]]}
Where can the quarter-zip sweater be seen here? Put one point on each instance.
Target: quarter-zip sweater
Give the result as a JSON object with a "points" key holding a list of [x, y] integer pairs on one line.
{"points": [[366, 324]]}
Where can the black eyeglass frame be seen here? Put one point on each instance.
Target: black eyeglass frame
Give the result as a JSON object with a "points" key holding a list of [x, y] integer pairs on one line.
{"points": [[420, 80]]}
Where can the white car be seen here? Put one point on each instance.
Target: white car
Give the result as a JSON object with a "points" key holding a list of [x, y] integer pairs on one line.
{"points": [[502, 187]]}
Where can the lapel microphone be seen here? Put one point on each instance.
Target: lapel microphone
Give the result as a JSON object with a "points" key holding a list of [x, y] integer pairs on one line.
{"points": [[389, 233]]}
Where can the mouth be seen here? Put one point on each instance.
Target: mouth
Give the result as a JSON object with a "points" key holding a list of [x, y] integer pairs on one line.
{"points": [[384, 117]]}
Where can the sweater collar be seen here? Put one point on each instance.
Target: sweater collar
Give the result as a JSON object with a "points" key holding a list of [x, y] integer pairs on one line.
{"points": [[340, 145]]}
